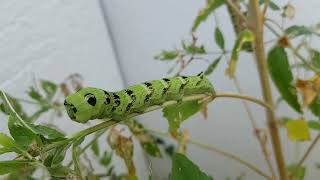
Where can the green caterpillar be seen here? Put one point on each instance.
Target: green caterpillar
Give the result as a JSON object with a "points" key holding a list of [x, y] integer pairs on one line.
{"points": [[92, 103]]}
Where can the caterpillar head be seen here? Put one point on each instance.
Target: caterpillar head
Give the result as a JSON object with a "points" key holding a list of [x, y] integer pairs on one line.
{"points": [[84, 105]]}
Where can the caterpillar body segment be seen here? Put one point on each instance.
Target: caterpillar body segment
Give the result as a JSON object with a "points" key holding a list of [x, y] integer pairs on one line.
{"points": [[93, 103]]}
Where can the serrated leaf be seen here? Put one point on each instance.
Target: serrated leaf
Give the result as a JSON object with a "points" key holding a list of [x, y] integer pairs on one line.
{"points": [[296, 30], [212, 66], [296, 172], [298, 130], [22, 135], [282, 77], [176, 114], [210, 7], [14, 165], [218, 36], [243, 37], [183, 168], [147, 142]]}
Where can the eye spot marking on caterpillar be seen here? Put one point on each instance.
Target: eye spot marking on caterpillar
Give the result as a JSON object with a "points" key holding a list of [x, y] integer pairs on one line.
{"points": [[91, 99]]}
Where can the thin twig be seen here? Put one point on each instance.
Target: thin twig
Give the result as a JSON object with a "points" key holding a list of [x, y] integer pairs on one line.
{"points": [[236, 10], [248, 98], [255, 128], [304, 157], [265, 8]]}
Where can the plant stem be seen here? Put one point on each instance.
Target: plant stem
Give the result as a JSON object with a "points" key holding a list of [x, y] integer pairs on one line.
{"points": [[304, 157], [248, 98], [14, 113], [110, 122], [256, 24], [220, 152]]}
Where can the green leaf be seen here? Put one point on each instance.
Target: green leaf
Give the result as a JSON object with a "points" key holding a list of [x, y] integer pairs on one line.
{"points": [[296, 173], [272, 5], [212, 66], [167, 55], [192, 49], [14, 165], [60, 171], [219, 38], [282, 77], [176, 114], [210, 7], [34, 94], [243, 37], [22, 135], [183, 168], [295, 31], [315, 106], [106, 159], [95, 148], [316, 58], [4, 107], [56, 156], [9, 143], [48, 132], [315, 125], [147, 142], [49, 87]]}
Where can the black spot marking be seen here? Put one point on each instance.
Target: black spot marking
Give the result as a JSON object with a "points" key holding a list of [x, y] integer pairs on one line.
{"points": [[74, 109], [107, 100], [165, 90], [198, 83], [147, 98], [91, 99], [184, 77], [113, 109], [200, 74], [148, 84], [117, 102], [133, 98], [116, 96], [65, 103], [129, 106], [166, 79], [183, 85], [129, 92]]}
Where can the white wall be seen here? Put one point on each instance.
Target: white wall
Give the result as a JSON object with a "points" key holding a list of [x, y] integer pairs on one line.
{"points": [[142, 28], [52, 39]]}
